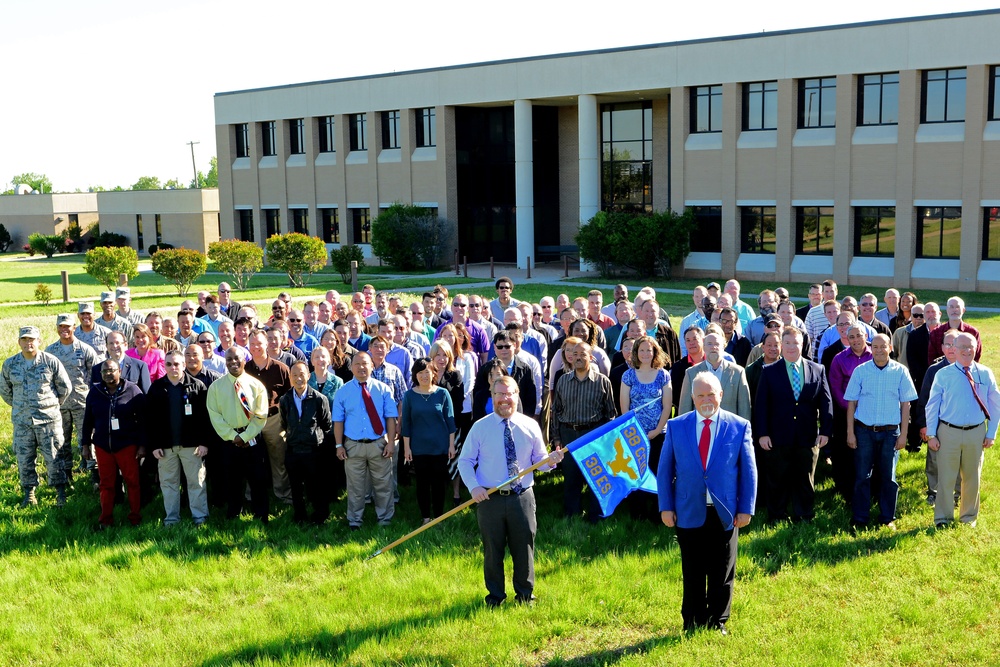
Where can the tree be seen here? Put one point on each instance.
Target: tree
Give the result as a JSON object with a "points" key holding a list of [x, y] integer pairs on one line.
{"points": [[5, 239], [297, 255], [212, 179], [341, 258], [180, 266], [46, 244], [105, 264], [39, 182], [646, 243], [240, 260], [174, 184], [410, 237], [147, 183]]}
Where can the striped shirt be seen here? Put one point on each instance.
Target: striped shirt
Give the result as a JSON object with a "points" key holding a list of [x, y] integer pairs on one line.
{"points": [[586, 401], [879, 392]]}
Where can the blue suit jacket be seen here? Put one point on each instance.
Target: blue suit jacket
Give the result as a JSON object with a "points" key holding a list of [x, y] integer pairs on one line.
{"points": [[731, 476]]}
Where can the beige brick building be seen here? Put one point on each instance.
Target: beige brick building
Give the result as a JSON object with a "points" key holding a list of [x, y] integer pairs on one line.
{"points": [[866, 152]]}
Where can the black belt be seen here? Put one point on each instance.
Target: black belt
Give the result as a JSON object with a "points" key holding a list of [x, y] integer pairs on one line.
{"points": [[961, 428], [878, 429], [580, 427], [512, 492], [365, 441]]}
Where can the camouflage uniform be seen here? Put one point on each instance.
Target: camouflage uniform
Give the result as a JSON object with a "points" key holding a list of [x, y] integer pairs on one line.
{"points": [[97, 338], [35, 389], [133, 316], [78, 359], [119, 324]]}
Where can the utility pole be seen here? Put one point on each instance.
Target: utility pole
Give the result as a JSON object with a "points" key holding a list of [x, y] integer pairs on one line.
{"points": [[197, 184]]}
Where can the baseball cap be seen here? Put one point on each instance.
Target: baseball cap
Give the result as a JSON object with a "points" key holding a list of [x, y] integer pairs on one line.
{"points": [[107, 296], [85, 307], [29, 332], [715, 285], [122, 291], [65, 318]]}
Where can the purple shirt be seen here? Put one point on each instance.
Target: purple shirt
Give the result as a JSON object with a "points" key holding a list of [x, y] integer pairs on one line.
{"points": [[480, 341], [841, 368]]}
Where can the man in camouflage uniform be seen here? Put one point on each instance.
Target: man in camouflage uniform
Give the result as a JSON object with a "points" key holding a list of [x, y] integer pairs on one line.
{"points": [[123, 295], [88, 332], [77, 359], [110, 320], [35, 384]]}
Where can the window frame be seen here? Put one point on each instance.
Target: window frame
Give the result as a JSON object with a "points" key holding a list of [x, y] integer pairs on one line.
{"points": [[880, 215], [297, 136], [426, 125], [358, 126], [327, 133], [244, 224], [703, 239], [138, 232], [643, 165], [993, 106], [883, 86], [330, 224], [713, 93], [757, 215], [361, 225], [242, 139], [768, 91], [390, 130], [957, 96], [299, 220], [826, 87], [272, 221], [922, 217], [268, 139], [819, 212]]}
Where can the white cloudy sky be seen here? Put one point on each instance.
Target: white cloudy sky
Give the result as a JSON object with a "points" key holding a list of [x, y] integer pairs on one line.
{"points": [[101, 92]]}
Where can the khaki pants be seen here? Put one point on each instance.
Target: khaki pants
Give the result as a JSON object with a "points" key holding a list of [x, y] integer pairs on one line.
{"points": [[364, 460], [961, 452], [170, 484], [274, 439]]}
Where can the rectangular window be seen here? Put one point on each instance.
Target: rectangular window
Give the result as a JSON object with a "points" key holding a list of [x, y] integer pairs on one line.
{"points": [[297, 136], [300, 220], [814, 230], [159, 230], [242, 140], [627, 157], [138, 231], [327, 142], [268, 141], [875, 231], [426, 127], [878, 99], [245, 221], [359, 132], [390, 129], [707, 236], [818, 102], [706, 109], [994, 102], [362, 225], [757, 229], [939, 231], [760, 105], [943, 96], [991, 233], [272, 222], [331, 225]]}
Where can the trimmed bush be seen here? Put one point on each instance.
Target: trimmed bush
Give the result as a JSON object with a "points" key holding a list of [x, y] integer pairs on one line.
{"points": [[240, 260], [109, 240], [410, 237], [46, 244], [648, 244], [180, 266], [105, 265], [297, 255], [341, 258]]}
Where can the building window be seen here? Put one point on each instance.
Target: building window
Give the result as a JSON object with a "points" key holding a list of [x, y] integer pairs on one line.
{"points": [[242, 140], [627, 157], [757, 229], [362, 225], [138, 231], [814, 230], [390, 129], [297, 136], [330, 225], [300, 220], [818, 102], [875, 231], [994, 104], [760, 105], [426, 129], [272, 222], [878, 99], [327, 143], [943, 94], [245, 222], [707, 234], [359, 132], [706, 109], [939, 231], [159, 230], [268, 142], [991, 233]]}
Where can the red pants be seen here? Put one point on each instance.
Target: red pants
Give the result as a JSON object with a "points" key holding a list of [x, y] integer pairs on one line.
{"points": [[108, 465]]}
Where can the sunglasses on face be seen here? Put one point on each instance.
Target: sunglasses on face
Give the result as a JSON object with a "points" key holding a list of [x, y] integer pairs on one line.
{"points": [[294, 320], [503, 347]]}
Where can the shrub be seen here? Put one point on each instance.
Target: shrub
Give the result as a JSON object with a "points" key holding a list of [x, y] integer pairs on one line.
{"points": [[109, 240], [180, 266], [341, 258], [153, 249], [297, 255], [105, 264], [5, 239], [46, 244], [240, 260], [410, 237], [646, 243], [43, 293]]}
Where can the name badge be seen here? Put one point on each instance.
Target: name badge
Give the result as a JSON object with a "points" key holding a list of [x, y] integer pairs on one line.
{"points": [[187, 409], [114, 424]]}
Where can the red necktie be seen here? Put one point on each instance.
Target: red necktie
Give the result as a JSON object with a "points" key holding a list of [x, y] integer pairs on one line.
{"points": [[982, 406], [370, 407], [244, 403], [703, 442]]}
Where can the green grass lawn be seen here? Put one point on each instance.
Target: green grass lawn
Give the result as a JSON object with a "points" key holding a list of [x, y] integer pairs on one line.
{"points": [[234, 593]]}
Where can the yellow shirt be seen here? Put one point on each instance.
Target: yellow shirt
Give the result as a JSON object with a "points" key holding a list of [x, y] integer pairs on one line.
{"points": [[226, 410]]}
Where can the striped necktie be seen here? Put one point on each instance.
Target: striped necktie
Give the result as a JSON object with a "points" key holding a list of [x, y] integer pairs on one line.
{"points": [[511, 454], [796, 382]]}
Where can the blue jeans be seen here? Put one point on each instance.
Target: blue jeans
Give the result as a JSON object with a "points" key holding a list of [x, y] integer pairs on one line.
{"points": [[876, 454]]}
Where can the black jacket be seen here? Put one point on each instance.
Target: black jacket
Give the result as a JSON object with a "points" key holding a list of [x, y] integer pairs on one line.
{"points": [[127, 404], [196, 428], [525, 383], [304, 434]]}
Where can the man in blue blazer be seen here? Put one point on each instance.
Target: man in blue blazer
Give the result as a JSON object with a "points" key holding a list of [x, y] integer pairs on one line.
{"points": [[707, 483]]}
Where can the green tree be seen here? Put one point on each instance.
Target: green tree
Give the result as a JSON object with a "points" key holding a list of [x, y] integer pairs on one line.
{"points": [[410, 237], [645, 243], [180, 266], [105, 264], [341, 258], [38, 182], [212, 179], [47, 244], [5, 239], [240, 260], [297, 255], [147, 183], [174, 184]]}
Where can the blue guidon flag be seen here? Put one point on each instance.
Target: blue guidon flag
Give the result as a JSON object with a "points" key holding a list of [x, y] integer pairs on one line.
{"points": [[615, 460]]}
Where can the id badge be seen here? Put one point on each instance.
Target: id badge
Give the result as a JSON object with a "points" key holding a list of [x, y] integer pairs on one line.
{"points": [[114, 424], [187, 409]]}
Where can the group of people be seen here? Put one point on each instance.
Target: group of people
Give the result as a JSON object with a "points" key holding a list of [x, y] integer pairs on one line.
{"points": [[355, 394]]}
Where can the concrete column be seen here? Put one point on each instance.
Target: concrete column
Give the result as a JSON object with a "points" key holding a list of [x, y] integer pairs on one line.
{"points": [[590, 157], [524, 186]]}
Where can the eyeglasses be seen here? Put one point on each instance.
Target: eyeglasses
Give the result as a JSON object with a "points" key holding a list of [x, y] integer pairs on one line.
{"points": [[475, 305], [536, 314], [920, 315], [459, 305], [205, 342], [547, 307], [506, 287], [502, 347], [277, 307], [171, 364], [224, 291], [291, 319], [773, 325]]}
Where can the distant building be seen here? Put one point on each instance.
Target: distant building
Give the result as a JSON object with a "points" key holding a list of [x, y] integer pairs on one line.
{"points": [[867, 152]]}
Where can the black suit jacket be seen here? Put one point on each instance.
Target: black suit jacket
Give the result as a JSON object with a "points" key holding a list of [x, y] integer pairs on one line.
{"points": [[303, 434], [525, 383], [196, 429], [789, 422], [133, 370]]}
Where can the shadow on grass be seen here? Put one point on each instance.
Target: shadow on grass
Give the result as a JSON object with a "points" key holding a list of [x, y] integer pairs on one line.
{"points": [[612, 656]]}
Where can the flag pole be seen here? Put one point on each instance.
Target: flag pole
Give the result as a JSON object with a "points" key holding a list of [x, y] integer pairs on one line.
{"points": [[458, 509]]}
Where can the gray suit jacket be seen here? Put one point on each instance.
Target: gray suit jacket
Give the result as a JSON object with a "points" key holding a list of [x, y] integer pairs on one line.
{"points": [[735, 390]]}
